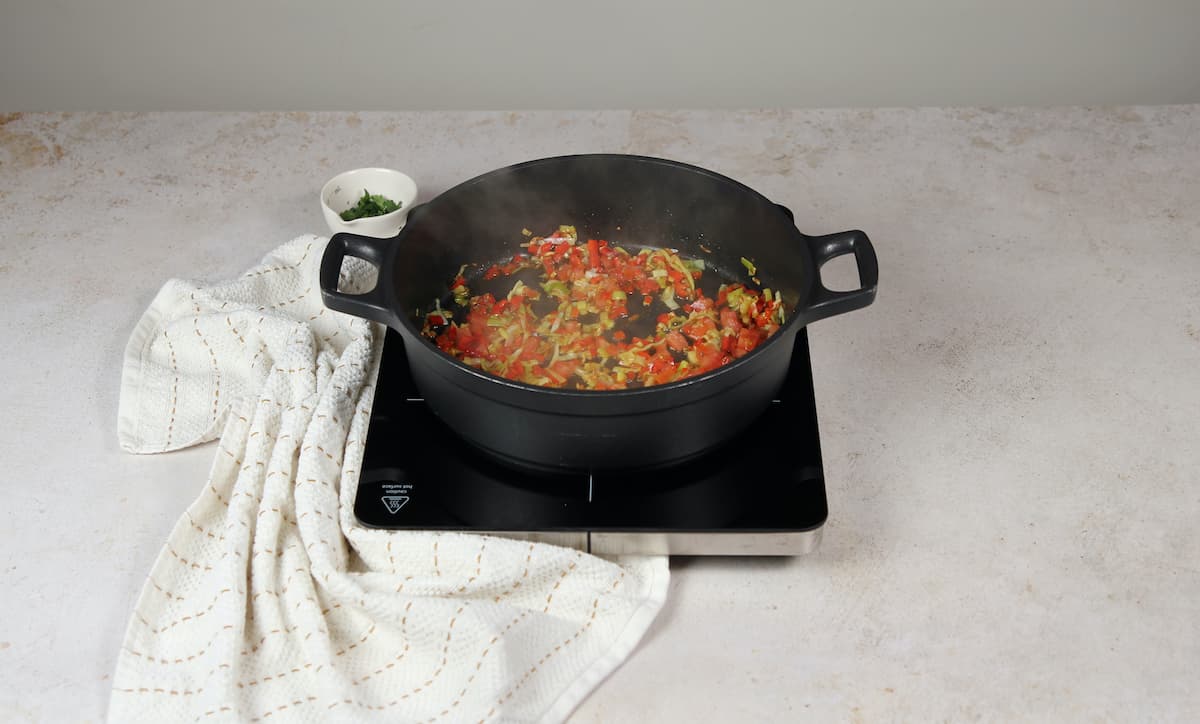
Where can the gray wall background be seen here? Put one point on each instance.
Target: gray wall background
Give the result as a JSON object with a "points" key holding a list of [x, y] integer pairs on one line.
{"points": [[553, 54]]}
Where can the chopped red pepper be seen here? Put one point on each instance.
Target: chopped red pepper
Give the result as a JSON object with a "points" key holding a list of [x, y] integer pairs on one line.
{"points": [[594, 253]]}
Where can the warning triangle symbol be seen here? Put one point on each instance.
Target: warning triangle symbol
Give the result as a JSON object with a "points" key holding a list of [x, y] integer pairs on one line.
{"points": [[394, 502]]}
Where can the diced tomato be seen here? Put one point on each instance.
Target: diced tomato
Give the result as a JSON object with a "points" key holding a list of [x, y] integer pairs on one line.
{"points": [[698, 328], [659, 361], [565, 368], [532, 351], [729, 319], [587, 345], [747, 340]]}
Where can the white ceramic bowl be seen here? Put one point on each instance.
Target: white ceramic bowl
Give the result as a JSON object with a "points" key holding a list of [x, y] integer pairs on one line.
{"points": [[344, 190]]}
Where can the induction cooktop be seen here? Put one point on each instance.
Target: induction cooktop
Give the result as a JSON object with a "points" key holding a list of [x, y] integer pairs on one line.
{"points": [[761, 494]]}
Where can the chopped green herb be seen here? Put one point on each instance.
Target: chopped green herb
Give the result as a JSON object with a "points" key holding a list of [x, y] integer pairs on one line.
{"points": [[749, 266], [370, 205]]}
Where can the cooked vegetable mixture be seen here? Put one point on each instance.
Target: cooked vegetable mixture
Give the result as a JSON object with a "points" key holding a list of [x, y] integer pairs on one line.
{"points": [[576, 327]]}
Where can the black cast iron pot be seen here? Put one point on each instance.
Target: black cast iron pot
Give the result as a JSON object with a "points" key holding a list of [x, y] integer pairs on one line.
{"points": [[630, 200]]}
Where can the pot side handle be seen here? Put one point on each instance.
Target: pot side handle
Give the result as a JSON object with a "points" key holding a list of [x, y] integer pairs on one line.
{"points": [[825, 303], [369, 304]]}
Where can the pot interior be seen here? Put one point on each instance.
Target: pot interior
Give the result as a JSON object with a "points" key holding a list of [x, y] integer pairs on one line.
{"points": [[629, 201]]}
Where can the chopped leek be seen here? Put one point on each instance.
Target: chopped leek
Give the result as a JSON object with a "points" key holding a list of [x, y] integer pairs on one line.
{"points": [[676, 262], [556, 288], [668, 298]]}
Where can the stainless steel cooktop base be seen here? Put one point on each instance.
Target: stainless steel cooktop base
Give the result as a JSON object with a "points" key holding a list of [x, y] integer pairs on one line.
{"points": [[651, 543]]}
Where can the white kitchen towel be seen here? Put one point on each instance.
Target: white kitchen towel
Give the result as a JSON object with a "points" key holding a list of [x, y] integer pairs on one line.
{"points": [[270, 602]]}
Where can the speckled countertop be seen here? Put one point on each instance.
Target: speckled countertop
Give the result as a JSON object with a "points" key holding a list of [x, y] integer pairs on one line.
{"points": [[1011, 433]]}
